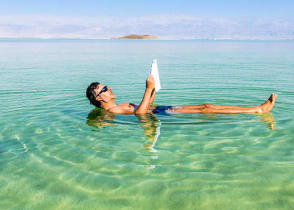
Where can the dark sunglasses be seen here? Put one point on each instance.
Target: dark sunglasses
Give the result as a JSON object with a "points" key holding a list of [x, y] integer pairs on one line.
{"points": [[104, 89]]}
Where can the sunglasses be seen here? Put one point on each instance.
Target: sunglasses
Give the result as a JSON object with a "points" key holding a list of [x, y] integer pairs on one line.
{"points": [[104, 89]]}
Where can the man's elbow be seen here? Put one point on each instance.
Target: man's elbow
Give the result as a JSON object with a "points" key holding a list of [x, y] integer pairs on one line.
{"points": [[138, 111]]}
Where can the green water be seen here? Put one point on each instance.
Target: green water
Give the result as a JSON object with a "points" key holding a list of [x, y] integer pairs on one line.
{"points": [[57, 152]]}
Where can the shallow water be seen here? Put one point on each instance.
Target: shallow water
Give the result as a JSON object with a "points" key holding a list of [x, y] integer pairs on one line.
{"points": [[58, 152]]}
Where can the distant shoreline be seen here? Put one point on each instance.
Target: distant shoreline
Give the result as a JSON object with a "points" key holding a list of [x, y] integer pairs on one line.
{"points": [[113, 39], [137, 36]]}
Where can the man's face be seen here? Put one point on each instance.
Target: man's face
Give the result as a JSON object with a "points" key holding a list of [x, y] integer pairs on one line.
{"points": [[103, 93]]}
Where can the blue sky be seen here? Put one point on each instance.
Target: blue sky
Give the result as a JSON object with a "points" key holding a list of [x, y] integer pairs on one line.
{"points": [[126, 8], [129, 8], [173, 19]]}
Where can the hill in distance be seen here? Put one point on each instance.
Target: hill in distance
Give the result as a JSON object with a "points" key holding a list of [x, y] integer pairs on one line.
{"points": [[136, 36]]}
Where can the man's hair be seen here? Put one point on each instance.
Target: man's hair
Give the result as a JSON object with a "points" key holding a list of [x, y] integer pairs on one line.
{"points": [[91, 95]]}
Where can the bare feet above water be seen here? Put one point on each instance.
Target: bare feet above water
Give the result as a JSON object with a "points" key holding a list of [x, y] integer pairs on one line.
{"points": [[269, 104]]}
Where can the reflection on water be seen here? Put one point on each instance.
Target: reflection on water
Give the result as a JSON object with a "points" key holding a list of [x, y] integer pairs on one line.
{"points": [[151, 128], [268, 118], [99, 118]]}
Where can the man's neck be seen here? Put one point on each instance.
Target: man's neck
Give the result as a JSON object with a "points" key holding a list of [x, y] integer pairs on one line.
{"points": [[108, 105]]}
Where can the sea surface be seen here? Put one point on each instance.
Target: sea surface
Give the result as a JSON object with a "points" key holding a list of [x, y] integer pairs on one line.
{"points": [[58, 152]]}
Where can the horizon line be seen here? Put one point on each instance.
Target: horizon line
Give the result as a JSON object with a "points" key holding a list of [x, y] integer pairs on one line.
{"points": [[183, 39]]}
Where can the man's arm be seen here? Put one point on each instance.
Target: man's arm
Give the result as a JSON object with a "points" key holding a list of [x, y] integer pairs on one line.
{"points": [[144, 105], [152, 97]]}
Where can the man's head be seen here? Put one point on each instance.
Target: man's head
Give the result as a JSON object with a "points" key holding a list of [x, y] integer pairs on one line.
{"points": [[97, 93]]}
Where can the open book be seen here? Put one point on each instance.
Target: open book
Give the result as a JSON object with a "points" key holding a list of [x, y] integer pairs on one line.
{"points": [[154, 72]]}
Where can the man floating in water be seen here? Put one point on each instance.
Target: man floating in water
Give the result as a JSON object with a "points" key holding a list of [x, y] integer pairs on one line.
{"points": [[101, 96]]}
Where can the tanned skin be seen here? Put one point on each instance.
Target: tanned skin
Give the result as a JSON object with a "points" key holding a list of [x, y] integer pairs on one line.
{"points": [[107, 102]]}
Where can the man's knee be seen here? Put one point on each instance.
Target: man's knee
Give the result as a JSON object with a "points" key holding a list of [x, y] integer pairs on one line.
{"points": [[207, 105], [207, 110]]}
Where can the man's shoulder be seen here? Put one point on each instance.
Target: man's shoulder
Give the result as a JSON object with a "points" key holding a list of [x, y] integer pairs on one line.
{"points": [[129, 105]]}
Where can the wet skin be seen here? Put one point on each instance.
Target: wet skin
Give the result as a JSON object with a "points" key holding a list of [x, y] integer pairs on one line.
{"points": [[107, 100]]}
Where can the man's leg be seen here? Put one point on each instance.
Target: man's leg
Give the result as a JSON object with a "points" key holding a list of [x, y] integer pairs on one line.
{"points": [[224, 109]]}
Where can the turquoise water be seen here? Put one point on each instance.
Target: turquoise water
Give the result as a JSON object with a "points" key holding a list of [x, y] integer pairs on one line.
{"points": [[58, 152]]}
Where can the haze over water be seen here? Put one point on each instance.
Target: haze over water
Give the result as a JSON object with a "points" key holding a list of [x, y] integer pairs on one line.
{"points": [[57, 151]]}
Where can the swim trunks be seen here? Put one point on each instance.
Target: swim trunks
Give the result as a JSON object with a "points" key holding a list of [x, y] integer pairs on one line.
{"points": [[162, 110]]}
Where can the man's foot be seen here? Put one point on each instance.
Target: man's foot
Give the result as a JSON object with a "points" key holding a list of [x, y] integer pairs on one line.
{"points": [[269, 104]]}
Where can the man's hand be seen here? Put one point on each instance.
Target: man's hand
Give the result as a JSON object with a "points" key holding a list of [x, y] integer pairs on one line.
{"points": [[147, 98], [150, 83]]}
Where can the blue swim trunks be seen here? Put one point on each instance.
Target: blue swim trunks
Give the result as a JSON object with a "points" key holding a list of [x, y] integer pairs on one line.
{"points": [[161, 110]]}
